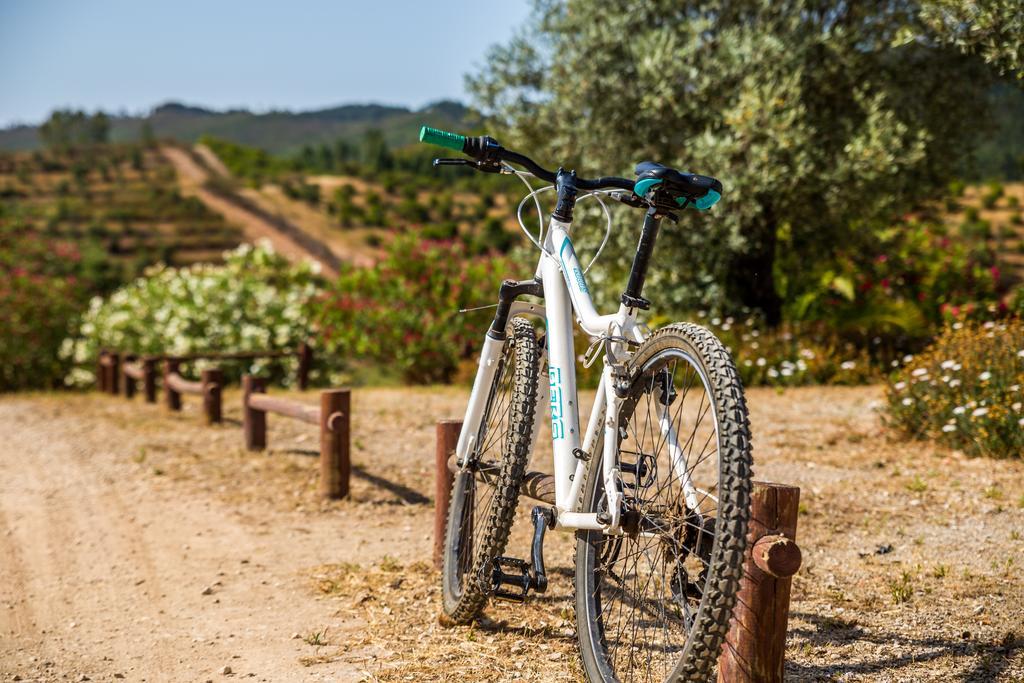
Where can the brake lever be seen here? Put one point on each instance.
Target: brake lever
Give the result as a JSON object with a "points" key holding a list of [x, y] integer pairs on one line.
{"points": [[451, 162], [628, 198], [478, 165]]}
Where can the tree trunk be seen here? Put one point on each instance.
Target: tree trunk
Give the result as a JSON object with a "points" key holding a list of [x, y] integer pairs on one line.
{"points": [[751, 276]]}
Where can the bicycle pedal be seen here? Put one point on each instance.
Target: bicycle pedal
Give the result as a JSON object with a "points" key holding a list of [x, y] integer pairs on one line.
{"points": [[510, 586]]}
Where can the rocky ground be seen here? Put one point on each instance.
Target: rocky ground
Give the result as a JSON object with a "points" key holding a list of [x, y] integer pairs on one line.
{"points": [[144, 546]]}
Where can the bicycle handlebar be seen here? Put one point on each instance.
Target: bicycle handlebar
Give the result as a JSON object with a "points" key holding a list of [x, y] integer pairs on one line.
{"points": [[486, 150]]}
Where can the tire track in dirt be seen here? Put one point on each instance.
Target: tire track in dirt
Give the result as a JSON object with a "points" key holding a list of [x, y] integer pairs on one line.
{"points": [[107, 571], [17, 620]]}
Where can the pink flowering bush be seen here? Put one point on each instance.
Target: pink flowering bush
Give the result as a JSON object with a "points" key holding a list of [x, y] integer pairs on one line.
{"points": [[41, 295], [402, 314]]}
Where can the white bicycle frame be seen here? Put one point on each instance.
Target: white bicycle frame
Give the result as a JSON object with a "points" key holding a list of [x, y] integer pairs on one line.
{"points": [[566, 293]]}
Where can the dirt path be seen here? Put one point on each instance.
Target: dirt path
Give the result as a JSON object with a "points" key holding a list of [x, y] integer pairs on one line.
{"points": [[192, 176], [142, 544]]}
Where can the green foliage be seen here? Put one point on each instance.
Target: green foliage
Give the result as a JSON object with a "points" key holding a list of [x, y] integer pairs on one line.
{"points": [[374, 152], [965, 390], [249, 163], [494, 237], [993, 29], [367, 313], [302, 191], [992, 195], [888, 289], [66, 129], [373, 212], [342, 206], [820, 119], [255, 301]]}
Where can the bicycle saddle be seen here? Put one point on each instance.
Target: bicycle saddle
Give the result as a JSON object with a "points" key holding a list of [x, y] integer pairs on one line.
{"points": [[684, 188]]}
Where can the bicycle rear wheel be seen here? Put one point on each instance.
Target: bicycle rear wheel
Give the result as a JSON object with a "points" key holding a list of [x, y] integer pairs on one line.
{"points": [[482, 510], [654, 603]]}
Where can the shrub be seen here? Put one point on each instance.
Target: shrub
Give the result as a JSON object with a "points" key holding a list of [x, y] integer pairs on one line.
{"points": [[976, 229], [897, 287], [965, 390], [992, 195], [412, 211], [302, 191], [41, 294], [403, 313], [255, 301], [445, 230], [494, 236]]}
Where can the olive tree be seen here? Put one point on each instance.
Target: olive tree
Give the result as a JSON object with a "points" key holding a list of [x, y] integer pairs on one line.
{"points": [[820, 118]]}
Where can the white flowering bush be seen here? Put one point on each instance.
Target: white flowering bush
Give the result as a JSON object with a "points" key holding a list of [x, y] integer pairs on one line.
{"points": [[254, 301], [965, 390]]}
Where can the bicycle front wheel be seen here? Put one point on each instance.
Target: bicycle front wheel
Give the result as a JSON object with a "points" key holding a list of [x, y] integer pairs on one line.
{"points": [[483, 508], [654, 603]]}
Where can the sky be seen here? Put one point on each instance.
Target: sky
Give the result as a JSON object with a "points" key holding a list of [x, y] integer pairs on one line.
{"points": [[130, 55]]}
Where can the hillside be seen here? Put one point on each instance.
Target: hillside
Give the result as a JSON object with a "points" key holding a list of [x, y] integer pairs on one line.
{"points": [[280, 132], [120, 200]]}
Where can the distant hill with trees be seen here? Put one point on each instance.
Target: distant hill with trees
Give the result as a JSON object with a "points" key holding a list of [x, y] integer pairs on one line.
{"points": [[278, 132]]}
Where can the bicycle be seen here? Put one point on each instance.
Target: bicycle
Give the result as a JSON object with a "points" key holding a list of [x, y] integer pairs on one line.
{"points": [[657, 495]]}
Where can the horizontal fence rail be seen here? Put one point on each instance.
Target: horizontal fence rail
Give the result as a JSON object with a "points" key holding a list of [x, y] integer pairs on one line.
{"points": [[113, 367], [333, 416]]}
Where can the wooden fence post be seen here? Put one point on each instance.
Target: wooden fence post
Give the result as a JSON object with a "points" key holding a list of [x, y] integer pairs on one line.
{"points": [[114, 373], [335, 434], [447, 438], [254, 422], [755, 646], [212, 380], [101, 371], [305, 362], [129, 381], [171, 397], [149, 379]]}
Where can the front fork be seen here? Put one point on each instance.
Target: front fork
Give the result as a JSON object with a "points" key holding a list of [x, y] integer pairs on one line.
{"points": [[490, 357]]}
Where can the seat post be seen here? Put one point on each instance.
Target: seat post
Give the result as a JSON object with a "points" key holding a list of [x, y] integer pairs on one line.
{"points": [[632, 297]]}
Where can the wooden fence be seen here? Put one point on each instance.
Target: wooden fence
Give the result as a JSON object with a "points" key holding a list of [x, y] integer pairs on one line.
{"points": [[115, 367], [332, 415]]}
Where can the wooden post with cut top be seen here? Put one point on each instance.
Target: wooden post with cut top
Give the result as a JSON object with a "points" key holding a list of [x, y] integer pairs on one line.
{"points": [[212, 381], [101, 371], [149, 379], [114, 373], [755, 646], [335, 436], [171, 397], [305, 363], [128, 372], [447, 438], [254, 421]]}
